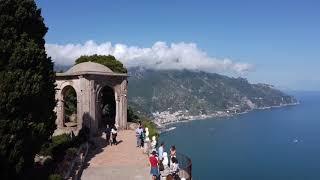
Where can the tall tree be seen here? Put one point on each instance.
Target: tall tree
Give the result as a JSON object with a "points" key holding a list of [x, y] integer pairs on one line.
{"points": [[26, 86]]}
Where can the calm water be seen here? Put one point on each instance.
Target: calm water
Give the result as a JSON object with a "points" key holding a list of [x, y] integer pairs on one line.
{"points": [[274, 144]]}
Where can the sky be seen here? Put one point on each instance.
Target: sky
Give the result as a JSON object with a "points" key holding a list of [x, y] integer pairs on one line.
{"points": [[274, 42]]}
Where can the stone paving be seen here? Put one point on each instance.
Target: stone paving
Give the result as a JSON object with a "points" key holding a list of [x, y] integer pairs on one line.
{"points": [[121, 162]]}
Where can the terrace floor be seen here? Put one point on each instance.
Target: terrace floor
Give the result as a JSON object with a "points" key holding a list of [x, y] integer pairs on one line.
{"points": [[121, 162]]}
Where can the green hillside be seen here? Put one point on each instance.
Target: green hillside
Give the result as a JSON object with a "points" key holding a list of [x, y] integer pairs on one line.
{"points": [[198, 92]]}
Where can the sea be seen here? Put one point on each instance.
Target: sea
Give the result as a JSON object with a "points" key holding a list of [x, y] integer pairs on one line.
{"points": [[271, 144]]}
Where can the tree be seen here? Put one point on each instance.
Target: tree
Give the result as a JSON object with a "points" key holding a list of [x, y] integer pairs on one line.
{"points": [[109, 61], [26, 86]]}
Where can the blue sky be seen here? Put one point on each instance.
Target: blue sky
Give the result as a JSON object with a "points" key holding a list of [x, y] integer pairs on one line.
{"points": [[281, 39]]}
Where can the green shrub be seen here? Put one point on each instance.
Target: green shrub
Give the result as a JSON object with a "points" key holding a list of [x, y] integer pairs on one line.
{"points": [[71, 152], [61, 139], [132, 116], [146, 122], [55, 177], [48, 162], [57, 146], [153, 130]]}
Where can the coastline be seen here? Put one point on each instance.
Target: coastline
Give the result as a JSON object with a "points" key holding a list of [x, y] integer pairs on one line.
{"points": [[218, 114]]}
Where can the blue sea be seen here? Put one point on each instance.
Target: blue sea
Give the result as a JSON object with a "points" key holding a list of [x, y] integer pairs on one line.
{"points": [[273, 144]]}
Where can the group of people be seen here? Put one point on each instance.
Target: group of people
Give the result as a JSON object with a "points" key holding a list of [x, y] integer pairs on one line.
{"points": [[160, 163], [140, 135], [111, 132]]}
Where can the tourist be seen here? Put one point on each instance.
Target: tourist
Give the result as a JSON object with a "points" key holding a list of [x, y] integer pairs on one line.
{"points": [[174, 168], [173, 151], [114, 135], [108, 133], [165, 160], [139, 130], [142, 137], [154, 171], [160, 151], [165, 163]]}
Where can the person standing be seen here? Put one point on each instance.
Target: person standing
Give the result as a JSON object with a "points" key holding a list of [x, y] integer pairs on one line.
{"points": [[160, 151], [173, 151], [142, 137], [139, 130], [154, 171], [114, 134], [108, 133], [174, 168]]}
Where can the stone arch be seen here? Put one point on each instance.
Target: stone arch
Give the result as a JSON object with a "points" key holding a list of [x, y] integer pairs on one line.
{"points": [[106, 102], [62, 86], [88, 80], [69, 120]]}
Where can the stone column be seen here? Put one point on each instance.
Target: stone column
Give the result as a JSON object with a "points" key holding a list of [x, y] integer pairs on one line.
{"points": [[92, 107], [124, 104], [82, 109], [60, 114], [117, 99], [98, 116], [79, 110]]}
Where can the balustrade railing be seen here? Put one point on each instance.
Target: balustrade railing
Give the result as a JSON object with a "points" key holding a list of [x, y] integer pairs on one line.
{"points": [[185, 165]]}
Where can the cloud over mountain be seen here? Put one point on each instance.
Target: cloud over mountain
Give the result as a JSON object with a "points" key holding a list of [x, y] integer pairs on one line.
{"points": [[159, 56]]}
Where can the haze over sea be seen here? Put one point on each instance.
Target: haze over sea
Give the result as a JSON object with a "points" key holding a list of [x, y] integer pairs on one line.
{"points": [[273, 144]]}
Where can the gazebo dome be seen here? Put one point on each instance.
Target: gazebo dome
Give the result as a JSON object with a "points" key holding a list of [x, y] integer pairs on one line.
{"points": [[89, 67]]}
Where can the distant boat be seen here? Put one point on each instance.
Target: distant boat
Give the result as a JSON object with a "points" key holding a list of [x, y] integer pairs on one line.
{"points": [[169, 129], [295, 140]]}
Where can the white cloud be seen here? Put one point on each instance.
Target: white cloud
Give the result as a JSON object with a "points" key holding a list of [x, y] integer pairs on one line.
{"points": [[159, 56]]}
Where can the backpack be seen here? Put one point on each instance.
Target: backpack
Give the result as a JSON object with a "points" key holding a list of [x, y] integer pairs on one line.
{"points": [[142, 135]]}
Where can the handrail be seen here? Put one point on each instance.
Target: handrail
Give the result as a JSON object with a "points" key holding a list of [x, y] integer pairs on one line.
{"points": [[185, 165]]}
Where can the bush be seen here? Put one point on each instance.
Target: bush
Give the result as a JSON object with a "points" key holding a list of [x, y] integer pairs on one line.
{"points": [[71, 152], [132, 116], [153, 130], [61, 139], [55, 177], [146, 122], [57, 146]]}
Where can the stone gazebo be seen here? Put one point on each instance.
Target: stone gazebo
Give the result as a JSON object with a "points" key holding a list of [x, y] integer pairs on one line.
{"points": [[88, 80]]}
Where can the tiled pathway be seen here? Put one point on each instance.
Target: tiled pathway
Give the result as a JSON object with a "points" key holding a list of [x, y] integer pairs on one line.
{"points": [[122, 162]]}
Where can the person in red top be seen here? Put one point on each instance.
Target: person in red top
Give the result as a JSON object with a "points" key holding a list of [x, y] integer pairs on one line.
{"points": [[154, 165]]}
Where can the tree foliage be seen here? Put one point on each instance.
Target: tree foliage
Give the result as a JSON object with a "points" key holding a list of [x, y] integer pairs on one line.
{"points": [[109, 61], [70, 102], [26, 86]]}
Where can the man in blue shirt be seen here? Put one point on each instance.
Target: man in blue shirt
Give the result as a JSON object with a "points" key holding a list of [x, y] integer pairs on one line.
{"points": [[160, 151]]}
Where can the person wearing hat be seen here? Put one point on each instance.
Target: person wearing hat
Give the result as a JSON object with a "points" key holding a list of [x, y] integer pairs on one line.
{"points": [[154, 171]]}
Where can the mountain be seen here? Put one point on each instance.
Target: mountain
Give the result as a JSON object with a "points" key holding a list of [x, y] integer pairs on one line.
{"points": [[173, 95], [61, 68], [190, 93]]}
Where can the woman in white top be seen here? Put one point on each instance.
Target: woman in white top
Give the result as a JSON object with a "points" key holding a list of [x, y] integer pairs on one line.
{"points": [[165, 161]]}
